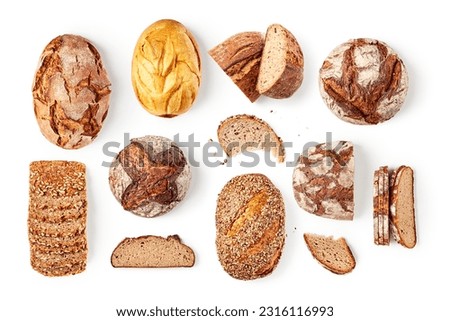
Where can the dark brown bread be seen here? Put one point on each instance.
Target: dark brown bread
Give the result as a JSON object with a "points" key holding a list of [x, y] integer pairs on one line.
{"points": [[363, 81], [57, 217], [70, 92], [333, 254], [250, 230], [281, 70], [152, 252], [323, 180], [150, 176], [240, 56], [241, 133], [402, 211]]}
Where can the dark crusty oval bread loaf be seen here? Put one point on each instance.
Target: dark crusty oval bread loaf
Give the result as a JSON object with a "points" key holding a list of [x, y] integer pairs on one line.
{"points": [[334, 254], [250, 229], [239, 56], [242, 133], [402, 213], [152, 252], [281, 70]]}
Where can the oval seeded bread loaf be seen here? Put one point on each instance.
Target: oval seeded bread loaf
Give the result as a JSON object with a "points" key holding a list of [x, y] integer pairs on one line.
{"points": [[250, 230], [281, 70]]}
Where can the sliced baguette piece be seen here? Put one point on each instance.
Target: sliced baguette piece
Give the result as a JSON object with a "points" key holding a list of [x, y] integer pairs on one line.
{"points": [[241, 133], [333, 254], [152, 252], [402, 212], [281, 70], [239, 57]]}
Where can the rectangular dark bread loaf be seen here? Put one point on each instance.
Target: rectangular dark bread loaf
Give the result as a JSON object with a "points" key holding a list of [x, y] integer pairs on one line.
{"points": [[402, 211], [151, 251]]}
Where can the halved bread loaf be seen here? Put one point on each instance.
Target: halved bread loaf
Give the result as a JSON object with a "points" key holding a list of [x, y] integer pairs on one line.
{"points": [[333, 254], [240, 56], [152, 252], [243, 133], [402, 213], [281, 70]]}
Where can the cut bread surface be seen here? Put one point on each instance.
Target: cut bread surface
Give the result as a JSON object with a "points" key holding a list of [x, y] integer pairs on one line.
{"points": [[333, 254], [402, 207], [152, 252]]}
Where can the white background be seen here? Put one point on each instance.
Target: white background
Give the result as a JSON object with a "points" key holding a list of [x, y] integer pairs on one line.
{"points": [[388, 282]]}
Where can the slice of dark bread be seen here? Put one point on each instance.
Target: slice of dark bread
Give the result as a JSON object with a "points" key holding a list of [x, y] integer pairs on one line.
{"points": [[152, 252], [333, 254], [402, 212], [243, 133], [281, 70]]}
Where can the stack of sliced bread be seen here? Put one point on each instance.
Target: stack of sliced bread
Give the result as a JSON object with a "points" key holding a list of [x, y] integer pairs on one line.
{"points": [[393, 205], [57, 217]]}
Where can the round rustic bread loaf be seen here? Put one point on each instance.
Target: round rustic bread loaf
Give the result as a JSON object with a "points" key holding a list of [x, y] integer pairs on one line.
{"points": [[70, 92], [250, 229], [150, 176], [363, 81]]}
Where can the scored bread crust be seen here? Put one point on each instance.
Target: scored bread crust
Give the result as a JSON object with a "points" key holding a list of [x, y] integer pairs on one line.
{"points": [[239, 57], [236, 135], [325, 258], [286, 83], [250, 226], [170, 248], [394, 219]]}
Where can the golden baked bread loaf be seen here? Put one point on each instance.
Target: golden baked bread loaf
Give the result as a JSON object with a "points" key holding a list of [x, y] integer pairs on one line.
{"points": [[166, 69]]}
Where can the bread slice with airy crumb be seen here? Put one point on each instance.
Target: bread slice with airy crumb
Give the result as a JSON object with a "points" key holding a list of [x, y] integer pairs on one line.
{"points": [[152, 252], [281, 69], [402, 211], [244, 133], [333, 254]]}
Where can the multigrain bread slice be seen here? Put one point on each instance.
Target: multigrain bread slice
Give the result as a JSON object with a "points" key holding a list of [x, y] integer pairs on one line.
{"points": [[376, 207], [242, 133], [281, 70], [402, 212], [239, 57], [333, 254], [152, 252]]}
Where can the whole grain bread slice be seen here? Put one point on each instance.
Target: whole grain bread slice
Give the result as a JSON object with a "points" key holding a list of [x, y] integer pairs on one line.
{"points": [[402, 210], [152, 252], [384, 173], [376, 207], [333, 254], [241, 133], [239, 57], [281, 70]]}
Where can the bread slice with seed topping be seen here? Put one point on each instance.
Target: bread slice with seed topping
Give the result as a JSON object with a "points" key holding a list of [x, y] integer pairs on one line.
{"points": [[333, 254], [152, 252]]}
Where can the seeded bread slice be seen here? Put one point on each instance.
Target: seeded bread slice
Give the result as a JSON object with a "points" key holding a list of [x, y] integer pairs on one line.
{"points": [[281, 70], [152, 252], [402, 212], [333, 254], [239, 57], [241, 133]]}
